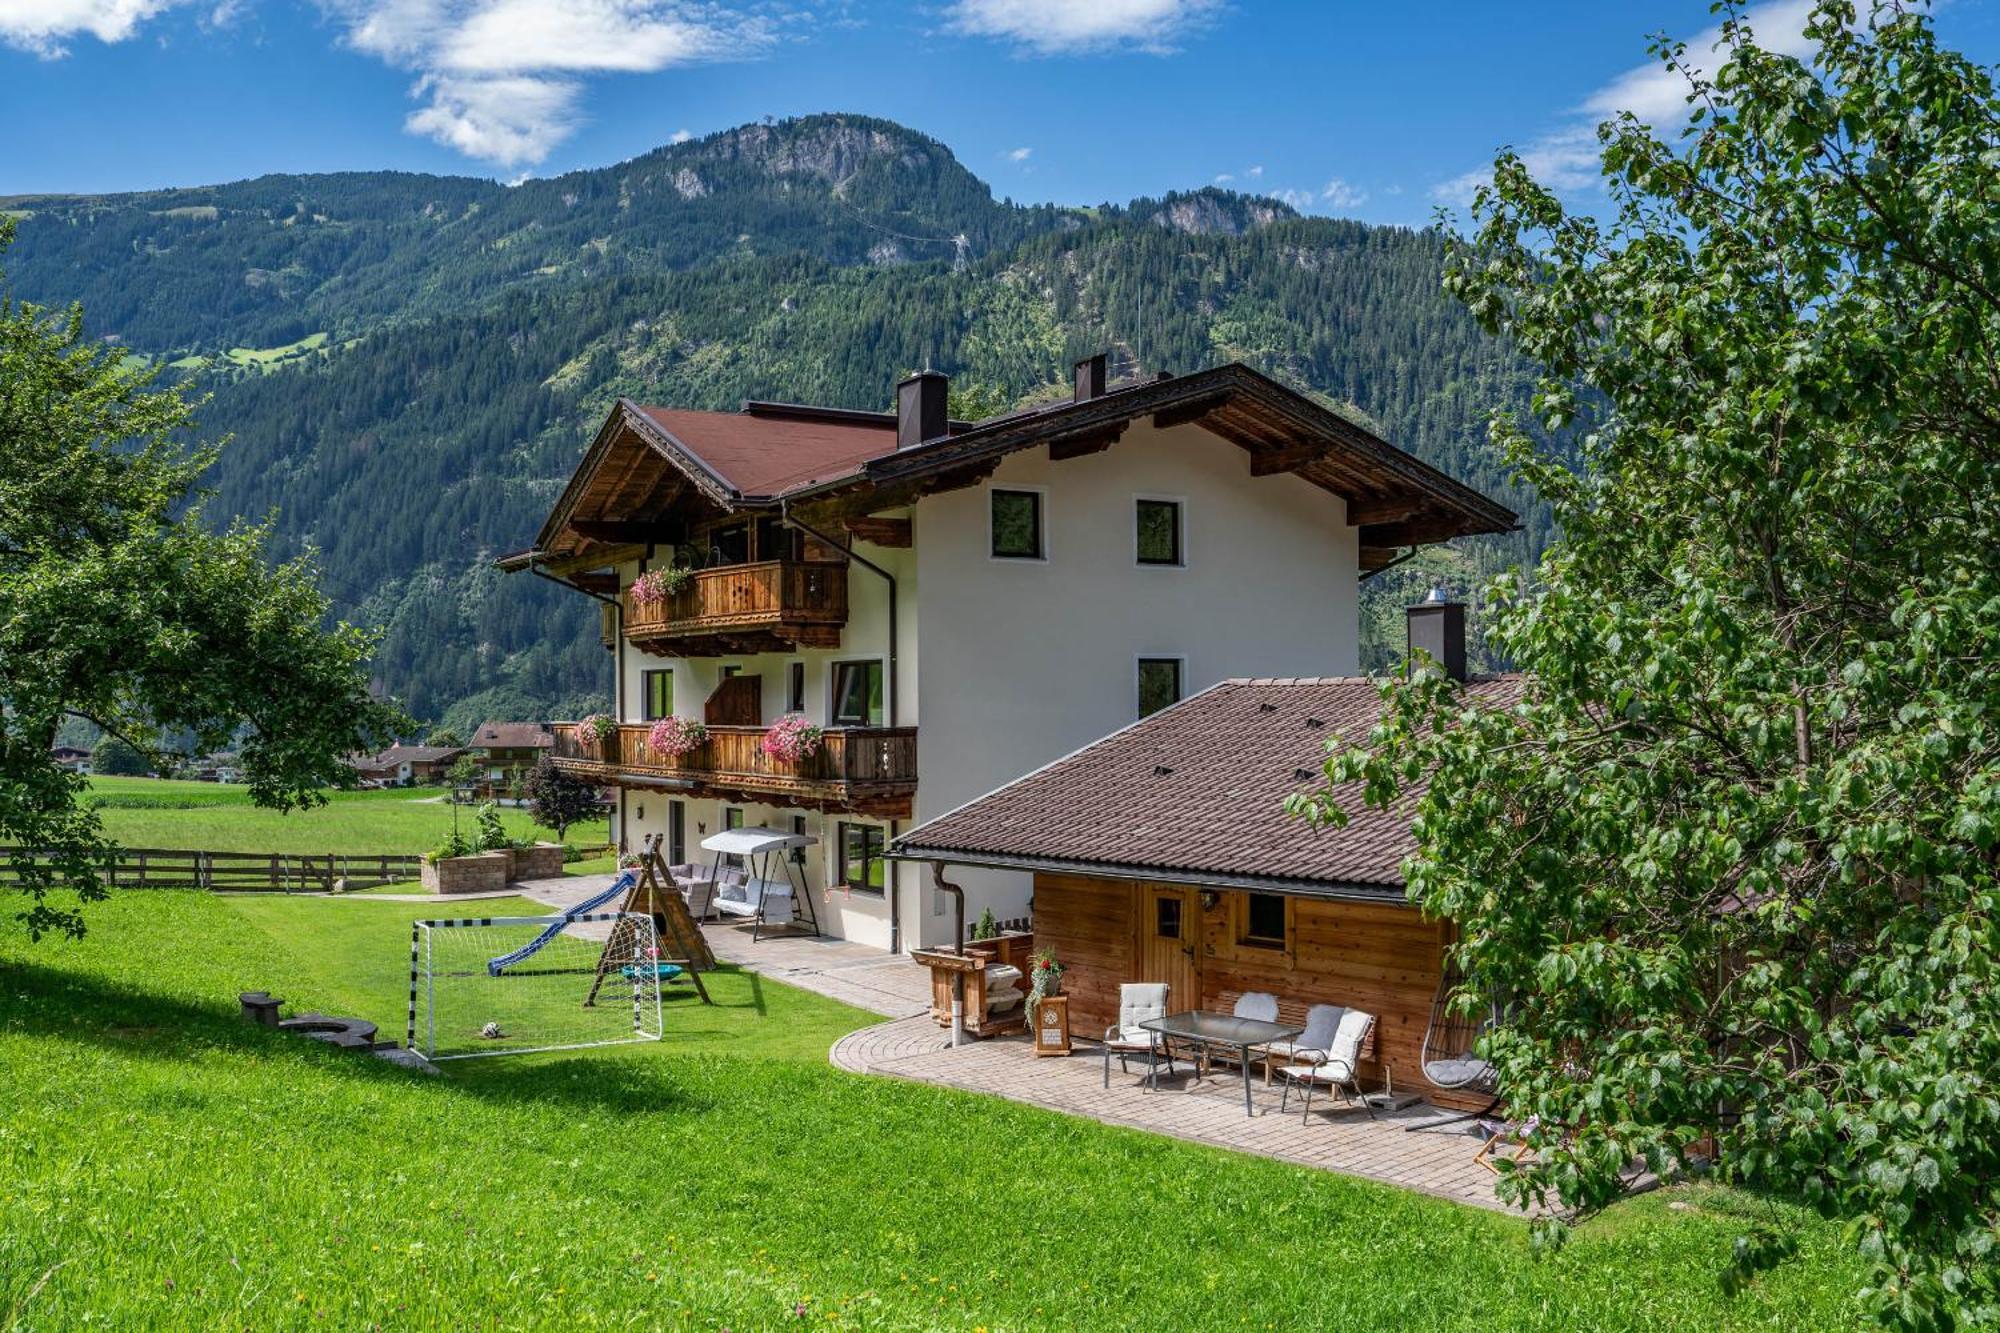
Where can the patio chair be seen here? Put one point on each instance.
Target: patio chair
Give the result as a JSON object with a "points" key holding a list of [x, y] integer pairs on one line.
{"points": [[1339, 1069], [1322, 1021], [1257, 1004], [700, 896], [1138, 1002]]}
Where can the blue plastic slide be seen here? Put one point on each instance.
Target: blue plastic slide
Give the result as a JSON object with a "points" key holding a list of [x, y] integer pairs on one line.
{"points": [[495, 966]]}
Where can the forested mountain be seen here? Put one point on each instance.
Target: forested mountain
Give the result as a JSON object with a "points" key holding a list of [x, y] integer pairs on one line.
{"points": [[410, 365]]}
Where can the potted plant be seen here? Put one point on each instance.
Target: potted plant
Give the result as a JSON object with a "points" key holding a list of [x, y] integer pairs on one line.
{"points": [[676, 736], [1045, 974], [597, 732], [655, 586], [986, 927], [791, 739]]}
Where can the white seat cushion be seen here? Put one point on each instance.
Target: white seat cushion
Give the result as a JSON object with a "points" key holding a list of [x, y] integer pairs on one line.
{"points": [[1454, 1072]]}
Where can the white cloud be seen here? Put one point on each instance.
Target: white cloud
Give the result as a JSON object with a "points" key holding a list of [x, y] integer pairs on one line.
{"points": [[1254, 172], [1339, 194], [1566, 157], [680, 136], [503, 79], [42, 26], [1070, 27], [1224, 178], [1019, 154]]}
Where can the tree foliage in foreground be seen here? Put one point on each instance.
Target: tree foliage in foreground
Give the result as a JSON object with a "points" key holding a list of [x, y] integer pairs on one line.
{"points": [[118, 606], [1731, 862]]}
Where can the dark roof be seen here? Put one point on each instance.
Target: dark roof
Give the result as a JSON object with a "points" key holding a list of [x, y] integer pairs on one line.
{"points": [[1195, 794], [413, 754], [513, 735], [647, 461], [764, 451]]}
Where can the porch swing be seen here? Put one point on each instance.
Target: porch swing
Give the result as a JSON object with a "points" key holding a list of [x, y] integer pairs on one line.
{"points": [[1450, 1055]]}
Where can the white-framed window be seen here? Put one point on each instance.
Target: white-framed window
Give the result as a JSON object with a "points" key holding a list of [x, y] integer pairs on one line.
{"points": [[857, 699], [1161, 683], [1017, 522], [1159, 531]]}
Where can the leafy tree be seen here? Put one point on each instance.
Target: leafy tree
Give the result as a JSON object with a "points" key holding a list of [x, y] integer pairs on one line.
{"points": [[558, 799], [492, 834], [119, 606], [444, 738], [464, 771], [116, 758], [1731, 861]]}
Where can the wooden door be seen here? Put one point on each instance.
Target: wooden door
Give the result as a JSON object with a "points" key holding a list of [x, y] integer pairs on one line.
{"points": [[1167, 930]]}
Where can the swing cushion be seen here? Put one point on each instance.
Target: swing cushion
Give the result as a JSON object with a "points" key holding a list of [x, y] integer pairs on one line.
{"points": [[1458, 1073], [775, 896]]}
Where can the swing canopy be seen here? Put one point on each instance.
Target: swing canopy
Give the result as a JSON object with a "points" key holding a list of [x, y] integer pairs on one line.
{"points": [[755, 841]]}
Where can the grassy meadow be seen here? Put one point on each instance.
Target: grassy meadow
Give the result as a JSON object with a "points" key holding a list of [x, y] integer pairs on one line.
{"points": [[218, 817], [165, 1165]]}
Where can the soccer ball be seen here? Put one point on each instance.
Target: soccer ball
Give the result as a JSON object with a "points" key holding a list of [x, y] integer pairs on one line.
{"points": [[491, 1032]]}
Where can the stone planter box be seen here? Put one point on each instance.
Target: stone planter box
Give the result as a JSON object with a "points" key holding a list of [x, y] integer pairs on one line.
{"points": [[484, 873], [544, 860]]}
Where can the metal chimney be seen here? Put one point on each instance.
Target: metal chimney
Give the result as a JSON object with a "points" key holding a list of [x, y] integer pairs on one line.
{"points": [[1437, 625], [920, 408]]}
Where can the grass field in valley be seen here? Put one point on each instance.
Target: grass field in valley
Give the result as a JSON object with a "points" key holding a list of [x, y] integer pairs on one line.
{"points": [[218, 817], [165, 1165]]}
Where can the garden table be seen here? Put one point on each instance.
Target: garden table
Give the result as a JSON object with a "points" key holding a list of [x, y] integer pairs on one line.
{"points": [[1204, 1027]]}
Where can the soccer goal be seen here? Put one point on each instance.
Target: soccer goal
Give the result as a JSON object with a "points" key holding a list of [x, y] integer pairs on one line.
{"points": [[506, 985]]}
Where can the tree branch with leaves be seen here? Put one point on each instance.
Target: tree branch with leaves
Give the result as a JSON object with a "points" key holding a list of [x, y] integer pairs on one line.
{"points": [[1731, 860]]}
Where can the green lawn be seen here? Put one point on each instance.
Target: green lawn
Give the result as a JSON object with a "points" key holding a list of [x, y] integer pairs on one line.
{"points": [[215, 817], [164, 1165]]}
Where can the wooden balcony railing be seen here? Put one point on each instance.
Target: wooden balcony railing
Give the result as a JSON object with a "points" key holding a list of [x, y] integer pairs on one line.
{"points": [[860, 768], [763, 606]]}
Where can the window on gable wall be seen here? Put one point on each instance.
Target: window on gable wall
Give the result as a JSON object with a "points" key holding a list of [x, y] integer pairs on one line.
{"points": [[1159, 683], [1159, 532], [1017, 525]]}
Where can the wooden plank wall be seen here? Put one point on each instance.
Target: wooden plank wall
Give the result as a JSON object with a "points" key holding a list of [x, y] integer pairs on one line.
{"points": [[1384, 958], [1091, 925]]}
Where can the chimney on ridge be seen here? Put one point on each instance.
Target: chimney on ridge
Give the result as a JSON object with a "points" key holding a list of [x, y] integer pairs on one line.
{"points": [[920, 408], [1089, 378], [1437, 625]]}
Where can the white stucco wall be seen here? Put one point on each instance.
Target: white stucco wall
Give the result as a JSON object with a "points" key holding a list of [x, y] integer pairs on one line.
{"points": [[1025, 661]]}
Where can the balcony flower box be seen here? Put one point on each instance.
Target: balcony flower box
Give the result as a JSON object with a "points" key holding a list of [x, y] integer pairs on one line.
{"points": [[597, 738], [791, 740], [676, 736]]}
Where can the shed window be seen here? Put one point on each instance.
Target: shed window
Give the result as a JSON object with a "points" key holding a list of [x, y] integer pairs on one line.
{"points": [[1263, 921]]}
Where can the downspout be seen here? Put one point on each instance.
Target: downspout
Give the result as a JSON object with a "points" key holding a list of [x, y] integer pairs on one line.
{"points": [[889, 685], [958, 947]]}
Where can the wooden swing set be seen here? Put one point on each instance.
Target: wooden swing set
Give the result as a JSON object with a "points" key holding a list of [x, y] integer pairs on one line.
{"points": [[681, 943]]}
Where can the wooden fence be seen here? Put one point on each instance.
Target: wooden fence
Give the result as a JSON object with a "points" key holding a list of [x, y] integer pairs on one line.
{"points": [[254, 872]]}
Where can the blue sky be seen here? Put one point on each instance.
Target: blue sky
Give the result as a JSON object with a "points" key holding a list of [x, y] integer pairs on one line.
{"points": [[1369, 110]]}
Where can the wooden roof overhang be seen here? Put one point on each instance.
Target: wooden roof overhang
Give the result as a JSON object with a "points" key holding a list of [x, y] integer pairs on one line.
{"points": [[636, 486], [1395, 499]]}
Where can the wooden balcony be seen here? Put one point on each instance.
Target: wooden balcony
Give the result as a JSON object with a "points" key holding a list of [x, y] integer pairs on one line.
{"points": [[869, 770], [764, 606]]}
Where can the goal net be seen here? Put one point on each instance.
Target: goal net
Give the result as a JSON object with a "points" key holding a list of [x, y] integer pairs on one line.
{"points": [[506, 985]]}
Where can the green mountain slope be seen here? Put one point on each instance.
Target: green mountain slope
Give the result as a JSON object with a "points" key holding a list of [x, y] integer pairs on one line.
{"points": [[472, 348]]}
